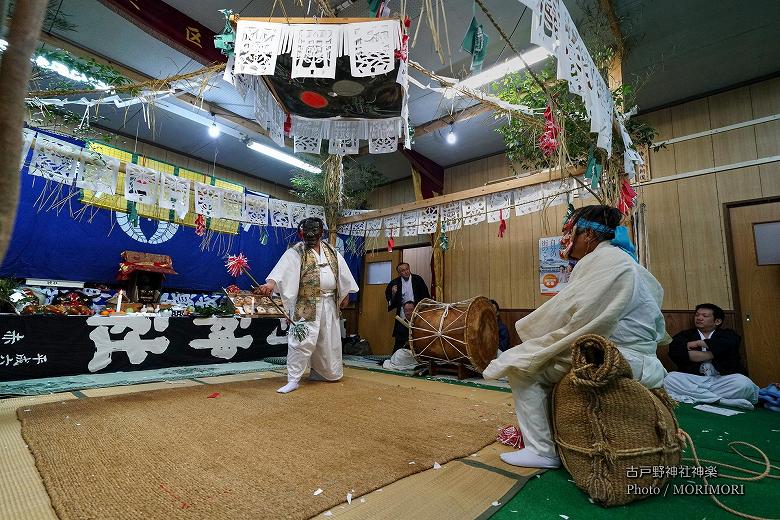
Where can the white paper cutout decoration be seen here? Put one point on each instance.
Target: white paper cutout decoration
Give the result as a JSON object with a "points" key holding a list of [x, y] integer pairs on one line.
{"points": [[141, 184], [97, 172], [54, 159], [175, 194], [255, 210], [208, 200]]}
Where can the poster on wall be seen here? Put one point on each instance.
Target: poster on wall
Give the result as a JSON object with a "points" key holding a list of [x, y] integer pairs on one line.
{"points": [[553, 270]]}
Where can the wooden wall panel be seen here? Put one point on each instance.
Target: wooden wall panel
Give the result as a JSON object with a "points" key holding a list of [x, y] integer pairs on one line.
{"points": [[740, 184], [730, 107], [734, 146], [703, 248], [770, 179], [662, 162], [765, 98], [524, 281], [768, 139], [665, 240], [691, 117], [693, 155], [499, 250]]}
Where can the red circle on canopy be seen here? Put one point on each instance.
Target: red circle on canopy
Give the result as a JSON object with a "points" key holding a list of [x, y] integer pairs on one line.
{"points": [[313, 99]]}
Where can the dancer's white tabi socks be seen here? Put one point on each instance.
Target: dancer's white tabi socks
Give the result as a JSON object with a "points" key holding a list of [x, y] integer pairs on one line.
{"points": [[528, 459], [289, 387]]}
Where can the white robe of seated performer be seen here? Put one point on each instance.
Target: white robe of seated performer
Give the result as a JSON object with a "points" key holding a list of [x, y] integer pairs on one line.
{"points": [[321, 348], [692, 388], [608, 294]]}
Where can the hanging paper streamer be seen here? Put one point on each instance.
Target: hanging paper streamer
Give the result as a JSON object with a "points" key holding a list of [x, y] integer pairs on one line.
{"points": [[263, 236], [475, 42], [378, 8], [444, 242], [593, 169], [226, 41], [569, 211], [548, 141]]}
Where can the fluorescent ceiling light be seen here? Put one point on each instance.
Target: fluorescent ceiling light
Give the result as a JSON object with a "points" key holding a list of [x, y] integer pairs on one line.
{"points": [[62, 69], [281, 156], [499, 71]]}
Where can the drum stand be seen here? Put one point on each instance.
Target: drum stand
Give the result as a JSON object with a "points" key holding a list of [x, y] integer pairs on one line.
{"points": [[462, 370]]}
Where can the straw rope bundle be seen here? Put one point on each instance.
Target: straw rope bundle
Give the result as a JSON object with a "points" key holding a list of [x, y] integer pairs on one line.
{"points": [[608, 426]]}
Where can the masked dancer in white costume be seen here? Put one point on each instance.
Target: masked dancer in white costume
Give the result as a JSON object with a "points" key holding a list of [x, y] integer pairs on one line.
{"points": [[608, 294], [312, 278]]}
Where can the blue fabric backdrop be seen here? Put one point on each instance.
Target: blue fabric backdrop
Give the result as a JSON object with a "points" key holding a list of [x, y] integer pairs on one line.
{"points": [[51, 246]]}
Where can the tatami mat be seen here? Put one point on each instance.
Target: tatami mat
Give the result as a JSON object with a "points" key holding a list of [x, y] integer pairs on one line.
{"points": [[466, 489], [116, 390], [22, 494]]}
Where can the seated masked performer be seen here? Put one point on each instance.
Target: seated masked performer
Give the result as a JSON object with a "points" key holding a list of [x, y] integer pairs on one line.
{"points": [[608, 294], [311, 278]]}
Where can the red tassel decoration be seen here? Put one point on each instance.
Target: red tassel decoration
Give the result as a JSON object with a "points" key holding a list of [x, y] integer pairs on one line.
{"points": [[200, 225], [548, 141], [390, 245], [502, 224], [511, 436], [287, 125], [627, 197]]}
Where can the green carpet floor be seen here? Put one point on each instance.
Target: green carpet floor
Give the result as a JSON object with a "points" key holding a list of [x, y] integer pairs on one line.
{"points": [[554, 496]]}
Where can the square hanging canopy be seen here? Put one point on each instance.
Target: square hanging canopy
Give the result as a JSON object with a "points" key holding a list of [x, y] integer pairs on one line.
{"points": [[340, 79]]}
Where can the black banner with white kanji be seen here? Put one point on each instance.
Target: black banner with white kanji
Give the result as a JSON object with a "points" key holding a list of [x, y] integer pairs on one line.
{"points": [[32, 347]]}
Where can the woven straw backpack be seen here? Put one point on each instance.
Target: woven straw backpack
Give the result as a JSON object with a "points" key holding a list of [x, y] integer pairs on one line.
{"points": [[610, 430]]}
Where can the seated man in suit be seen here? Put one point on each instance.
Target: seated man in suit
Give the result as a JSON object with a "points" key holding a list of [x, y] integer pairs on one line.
{"points": [[407, 287], [707, 359]]}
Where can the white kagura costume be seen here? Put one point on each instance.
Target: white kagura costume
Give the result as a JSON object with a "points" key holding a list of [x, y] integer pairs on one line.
{"points": [[608, 294], [311, 289]]}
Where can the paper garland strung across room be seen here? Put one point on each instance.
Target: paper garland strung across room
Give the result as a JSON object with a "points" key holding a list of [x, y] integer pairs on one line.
{"points": [[280, 215], [297, 213], [373, 227], [54, 160], [409, 223], [498, 206], [429, 219], [175, 194], [232, 204], [451, 215], [392, 226], [255, 209], [97, 172], [474, 211], [141, 184], [208, 200]]}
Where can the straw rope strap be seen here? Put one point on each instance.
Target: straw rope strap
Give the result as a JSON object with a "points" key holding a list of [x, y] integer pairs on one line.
{"points": [[767, 468]]}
